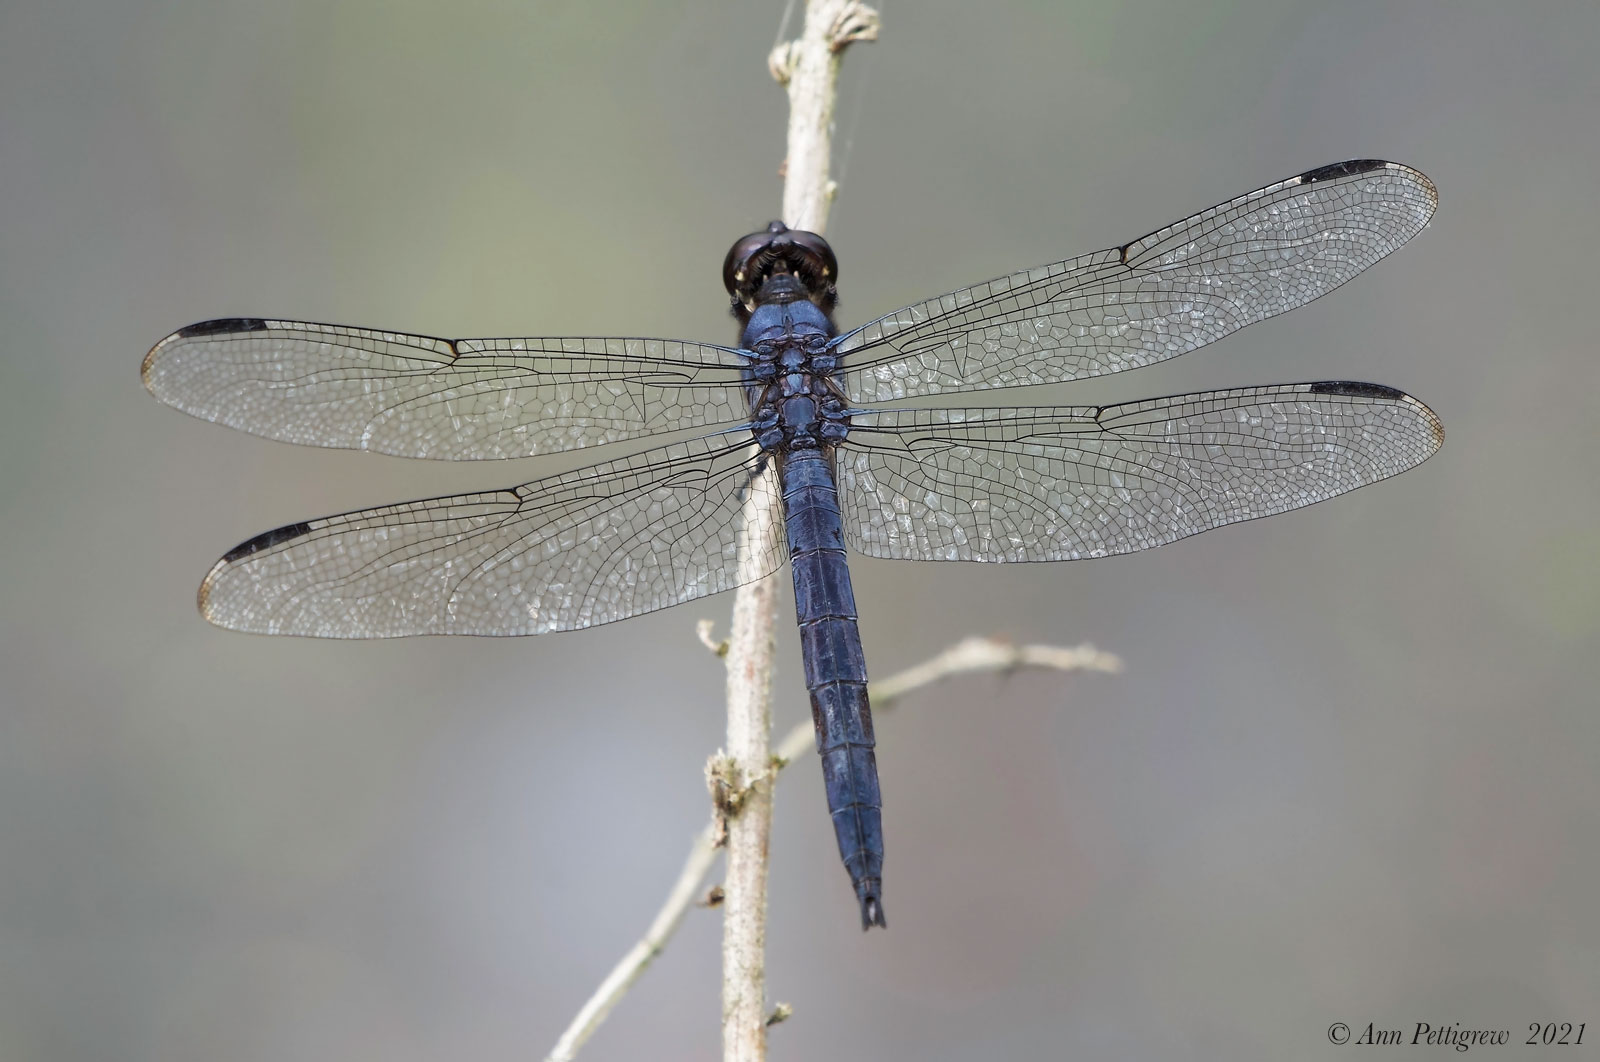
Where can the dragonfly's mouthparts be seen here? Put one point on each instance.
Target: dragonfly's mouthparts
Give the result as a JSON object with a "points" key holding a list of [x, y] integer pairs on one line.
{"points": [[781, 287]]}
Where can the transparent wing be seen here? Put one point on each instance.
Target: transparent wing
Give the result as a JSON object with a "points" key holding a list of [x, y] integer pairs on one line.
{"points": [[1174, 290], [1084, 481], [572, 550], [416, 396]]}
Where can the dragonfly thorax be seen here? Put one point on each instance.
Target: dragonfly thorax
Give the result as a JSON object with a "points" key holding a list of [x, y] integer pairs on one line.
{"points": [[794, 402]]}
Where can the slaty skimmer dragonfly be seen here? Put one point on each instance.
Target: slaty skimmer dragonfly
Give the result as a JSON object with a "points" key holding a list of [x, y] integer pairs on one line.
{"points": [[793, 418]]}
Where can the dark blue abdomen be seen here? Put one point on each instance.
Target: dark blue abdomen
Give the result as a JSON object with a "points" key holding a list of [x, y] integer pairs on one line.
{"points": [[836, 670]]}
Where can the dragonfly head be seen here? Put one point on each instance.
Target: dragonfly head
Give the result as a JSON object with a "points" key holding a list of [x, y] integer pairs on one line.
{"points": [[780, 265]]}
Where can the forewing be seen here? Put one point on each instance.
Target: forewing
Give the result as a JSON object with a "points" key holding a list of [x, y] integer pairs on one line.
{"points": [[571, 550], [417, 396], [1083, 481], [1176, 289]]}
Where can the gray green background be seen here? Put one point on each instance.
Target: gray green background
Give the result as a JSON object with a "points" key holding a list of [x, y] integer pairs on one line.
{"points": [[1349, 774]]}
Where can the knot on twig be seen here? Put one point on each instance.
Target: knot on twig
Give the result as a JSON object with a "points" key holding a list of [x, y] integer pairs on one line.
{"points": [[782, 60], [730, 791], [854, 22], [857, 22]]}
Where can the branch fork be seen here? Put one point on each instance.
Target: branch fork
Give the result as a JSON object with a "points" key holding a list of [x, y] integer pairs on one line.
{"points": [[971, 656]]}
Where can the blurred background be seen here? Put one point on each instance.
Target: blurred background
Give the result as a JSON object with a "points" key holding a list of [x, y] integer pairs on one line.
{"points": [[1348, 775]]}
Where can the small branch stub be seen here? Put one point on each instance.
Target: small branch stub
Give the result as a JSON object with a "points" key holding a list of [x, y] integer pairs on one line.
{"points": [[857, 22], [705, 630], [781, 61]]}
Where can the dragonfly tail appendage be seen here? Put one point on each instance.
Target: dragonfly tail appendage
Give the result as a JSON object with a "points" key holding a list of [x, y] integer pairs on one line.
{"points": [[868, 889]]}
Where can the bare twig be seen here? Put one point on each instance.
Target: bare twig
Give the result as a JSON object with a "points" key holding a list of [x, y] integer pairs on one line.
{"points": [[809, 68], [971, 656], [742, 795], [702, 854]]}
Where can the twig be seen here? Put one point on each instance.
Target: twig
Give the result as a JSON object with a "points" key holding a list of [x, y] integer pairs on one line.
{"points": [[811, 72], [971, 656], [809, 68], [702, 854], [742, 793]]}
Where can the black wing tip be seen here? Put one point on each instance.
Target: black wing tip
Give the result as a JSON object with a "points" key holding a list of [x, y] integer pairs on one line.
{"points": [[1347, 168], [1356, 167], [220, 325], [215, 327], [872, 911], [266, 540], [1357, 389]]}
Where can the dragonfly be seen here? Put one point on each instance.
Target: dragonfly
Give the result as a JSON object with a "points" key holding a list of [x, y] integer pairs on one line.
{"points": [[797, 443]]}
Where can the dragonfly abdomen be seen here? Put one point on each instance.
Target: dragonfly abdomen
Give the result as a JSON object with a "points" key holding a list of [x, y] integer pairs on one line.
{"points": [[836, 671]]}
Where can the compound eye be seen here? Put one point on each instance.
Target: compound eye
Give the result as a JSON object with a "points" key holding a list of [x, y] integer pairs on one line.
{"points": [[817, 246]]}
